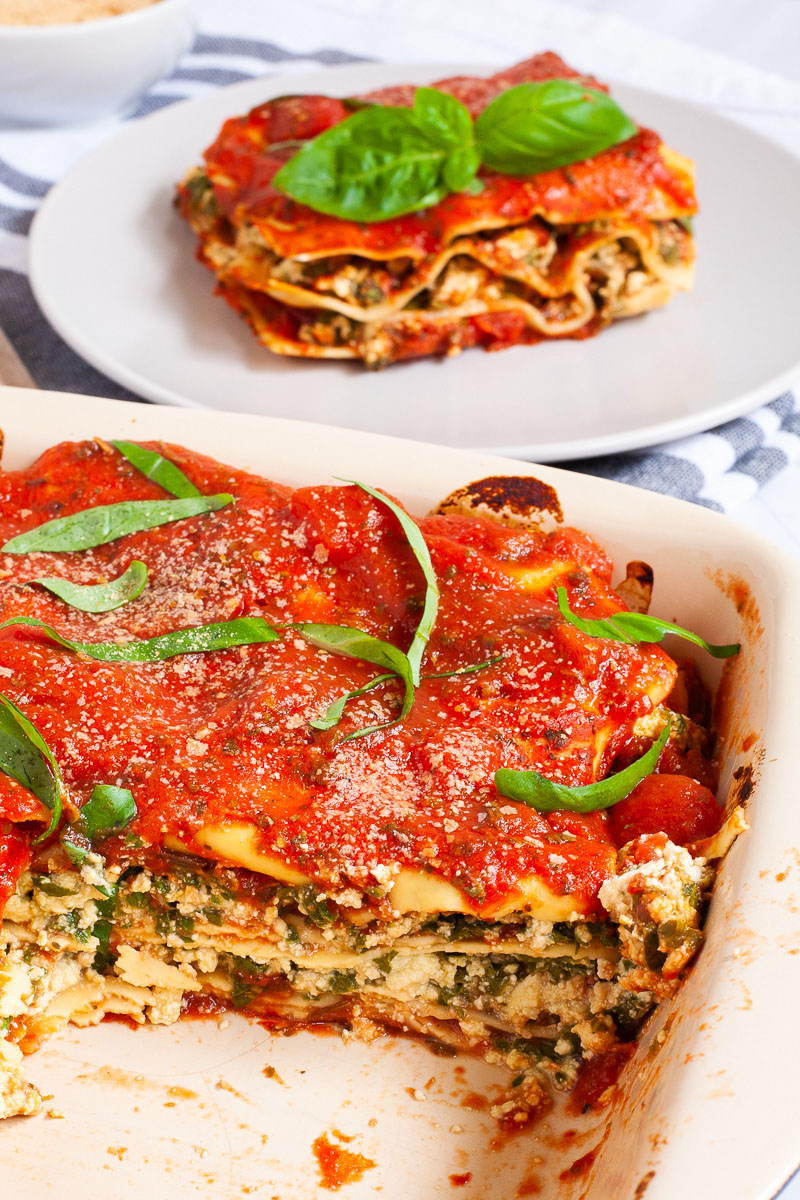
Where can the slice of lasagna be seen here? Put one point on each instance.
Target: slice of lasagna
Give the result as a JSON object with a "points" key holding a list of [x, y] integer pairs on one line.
{"points": [[553, 255], [297, 840]]}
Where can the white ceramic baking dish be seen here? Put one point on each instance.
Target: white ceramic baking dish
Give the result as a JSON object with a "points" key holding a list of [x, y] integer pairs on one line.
{"points": [[708, 1104]]}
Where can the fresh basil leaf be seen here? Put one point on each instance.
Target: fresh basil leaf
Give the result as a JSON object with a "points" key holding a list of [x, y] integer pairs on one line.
{"points": [[99, 597], [540, 126], [382, 162], [335, 711], [159, 469], [420, 550], [197, 639], [96, 526], [445, 120], [531, 788], [354, 643], [638, 627], [26, 757], [460, 168]]}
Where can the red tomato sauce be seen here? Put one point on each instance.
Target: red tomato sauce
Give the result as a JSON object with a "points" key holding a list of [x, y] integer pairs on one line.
{"points": [[338, 1166], [597, 1076], [214, 738], [673, 804], [15, 856]]}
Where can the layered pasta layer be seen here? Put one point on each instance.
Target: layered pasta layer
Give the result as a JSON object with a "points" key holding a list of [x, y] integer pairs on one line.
{"points": [[538, 996]]}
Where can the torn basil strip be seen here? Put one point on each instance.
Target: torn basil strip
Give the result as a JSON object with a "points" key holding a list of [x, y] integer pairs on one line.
{"points": [[342, 639], [108, 810], [26, 757], [637, 627], [161, 470], [106, 522], [99, 597], [335, 711], [354, 643], [533, 789], [198, 639], [420, 551]]}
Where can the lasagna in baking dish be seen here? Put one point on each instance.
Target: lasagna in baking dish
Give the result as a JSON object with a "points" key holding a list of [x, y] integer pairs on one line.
{"points": [[513, 259], [294, 753]]}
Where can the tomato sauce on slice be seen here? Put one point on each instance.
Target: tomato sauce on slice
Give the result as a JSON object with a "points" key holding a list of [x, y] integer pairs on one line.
{"points": [[15, 857], [673, 804]]}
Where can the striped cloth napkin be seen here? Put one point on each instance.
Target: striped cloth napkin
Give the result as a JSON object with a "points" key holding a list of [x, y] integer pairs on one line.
{"points": [[719, 469]]}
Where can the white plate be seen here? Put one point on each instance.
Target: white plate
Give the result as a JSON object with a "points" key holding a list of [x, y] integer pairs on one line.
{"points": [[112, 266], [711, 1106]]}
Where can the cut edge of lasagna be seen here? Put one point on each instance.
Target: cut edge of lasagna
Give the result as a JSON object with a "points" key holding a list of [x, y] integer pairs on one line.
{"points": [[555, 255], [536, 995]]}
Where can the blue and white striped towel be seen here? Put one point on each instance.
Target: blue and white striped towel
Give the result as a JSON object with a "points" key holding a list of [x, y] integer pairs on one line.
{"points": [[719, 469]]}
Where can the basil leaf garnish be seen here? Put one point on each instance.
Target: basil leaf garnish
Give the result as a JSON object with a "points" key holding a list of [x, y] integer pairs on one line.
{"points": [[382, 162], [159, 469], [448, 124], [531, 788], [540, 126], [99, 597], [413, 658], [197, 639], [637, 627], [354, 643], [107, 810], [335, 711], [420, 550], [96, 526], [26, 757]]}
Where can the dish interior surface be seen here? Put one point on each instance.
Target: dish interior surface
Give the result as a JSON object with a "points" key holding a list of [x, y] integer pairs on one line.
{"points": [[692, 1102], [154, 325]]}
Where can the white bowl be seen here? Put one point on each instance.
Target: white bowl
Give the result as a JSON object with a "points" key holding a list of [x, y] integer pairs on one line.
{"points": [[709, 1101], [68, 74]]}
